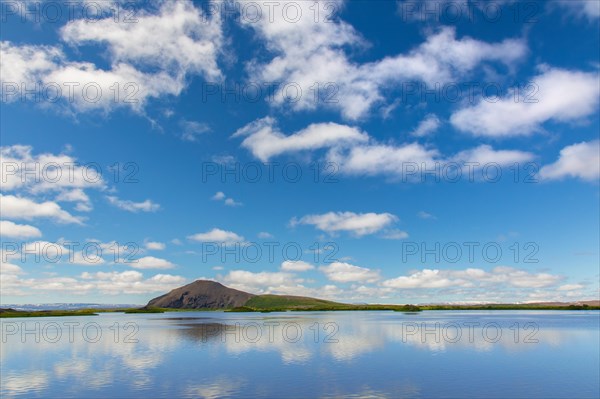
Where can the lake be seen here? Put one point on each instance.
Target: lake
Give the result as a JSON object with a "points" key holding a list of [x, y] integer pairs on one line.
{"points": [[431, 354]]}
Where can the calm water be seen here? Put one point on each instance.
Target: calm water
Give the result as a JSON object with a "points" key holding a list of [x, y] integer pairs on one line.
{"points": [[275, 355]]}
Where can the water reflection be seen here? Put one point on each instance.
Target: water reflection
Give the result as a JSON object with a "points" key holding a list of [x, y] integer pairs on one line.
{"points": [[350, 354]]}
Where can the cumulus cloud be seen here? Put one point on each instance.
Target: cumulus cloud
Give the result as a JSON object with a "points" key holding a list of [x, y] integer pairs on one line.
{"points": [[258, 282], [378, 159], [296, 266], [184, 38], [342, 272], [13, 230], [411, 161], [86, 259], [356, 153], [559, 95], [313, 53], [280, 283], [425, 215], [67, 80], [220, 196], [150, 262], [218, 236], [427, 126], [423, 279], [359, 224], [581, 160], [37, 251], [264, 139], [586, 8], [111, 283], [395, 234], [570, 287], [77, 195], [155, 246], [130, 206], [485, 155], [23, 208], [8, 269], [22, 170], [185, 41], [190, 130], [472, 277], [130, 282]]}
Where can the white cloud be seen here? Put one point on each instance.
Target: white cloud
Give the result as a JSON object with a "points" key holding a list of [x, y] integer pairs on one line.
{"points": [[190, 130], [425, 215], [264, 139], [88, 259], [587, 8], [23, 208], [232, 202], [265, 235], [501, 275], [8, 268], [580, 160], [430, 124], [377, 159], [258, 282], [296, 266], [220, 196], [130, 206], [342, 272], [155, 246], [27, 63], [76, 195], [50, 252], [485, 155], [359, 224], [570, 287], [67, 80], [131, 282], [13, 230], [310, 53], [395, 234], [185, 41], [46, 172], [412, 161], [183, 38], [423, 279], [355, 153], [218, 236], [560, 96], [150, 262]]}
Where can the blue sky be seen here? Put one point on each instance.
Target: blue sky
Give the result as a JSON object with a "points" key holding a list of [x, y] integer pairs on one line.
{"points": [[406, 152]]}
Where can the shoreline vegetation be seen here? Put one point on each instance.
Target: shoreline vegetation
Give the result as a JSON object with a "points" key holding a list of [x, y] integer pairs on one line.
{"points": [[260, 304]]}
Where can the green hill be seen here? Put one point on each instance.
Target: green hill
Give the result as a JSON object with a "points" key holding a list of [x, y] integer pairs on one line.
{"points": [[286, 301]]}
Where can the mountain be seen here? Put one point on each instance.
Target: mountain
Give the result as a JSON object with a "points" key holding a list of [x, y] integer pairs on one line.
{"points": [[33, 307], [202, 294]]}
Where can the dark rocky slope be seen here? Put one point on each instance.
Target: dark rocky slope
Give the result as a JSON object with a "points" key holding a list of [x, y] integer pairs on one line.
{"points": [[201, 294]]}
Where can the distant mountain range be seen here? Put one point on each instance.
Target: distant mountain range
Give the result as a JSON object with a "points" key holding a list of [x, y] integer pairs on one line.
{"points": [[66, 306]]}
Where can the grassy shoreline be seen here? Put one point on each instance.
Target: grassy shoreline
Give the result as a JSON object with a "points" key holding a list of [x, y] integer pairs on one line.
{"points": [[320, 307]]}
